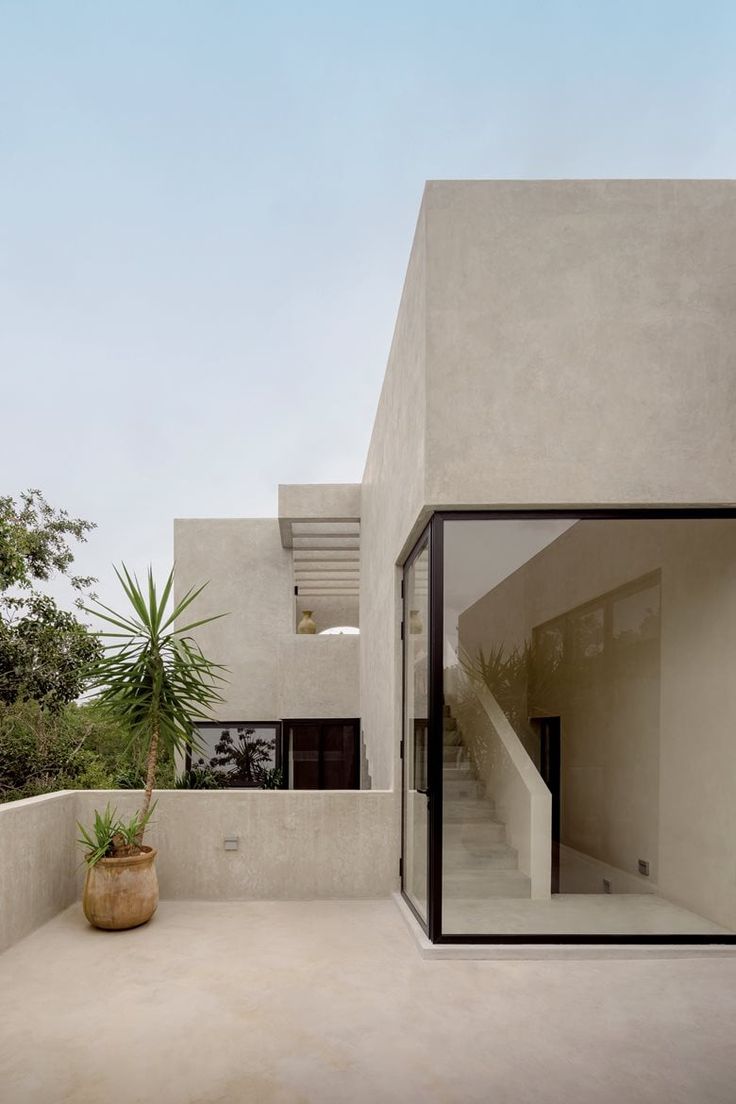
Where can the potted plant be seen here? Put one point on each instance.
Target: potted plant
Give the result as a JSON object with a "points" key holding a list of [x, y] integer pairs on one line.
{"points": [[121, 887], [155, 680]]}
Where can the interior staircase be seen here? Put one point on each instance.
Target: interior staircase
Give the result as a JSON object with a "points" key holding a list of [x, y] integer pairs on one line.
{"points": [[478, 861]]}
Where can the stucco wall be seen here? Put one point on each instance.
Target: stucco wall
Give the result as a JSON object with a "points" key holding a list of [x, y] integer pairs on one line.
{"points": [[557, 343], [319, 676], [291, 845], [329, 612], [580, 340], [392, 500], [249, 578], [38, 862]]}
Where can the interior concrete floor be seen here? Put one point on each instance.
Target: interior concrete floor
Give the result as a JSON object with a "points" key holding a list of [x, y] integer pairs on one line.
{"points": [[330, 1001], [572, 913]]}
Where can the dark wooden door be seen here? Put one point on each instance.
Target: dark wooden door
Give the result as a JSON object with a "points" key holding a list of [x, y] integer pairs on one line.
{"points": [[322, 754]]}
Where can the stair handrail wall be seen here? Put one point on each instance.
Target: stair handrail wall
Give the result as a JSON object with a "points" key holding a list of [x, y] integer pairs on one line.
{"points": [[521, 797]]}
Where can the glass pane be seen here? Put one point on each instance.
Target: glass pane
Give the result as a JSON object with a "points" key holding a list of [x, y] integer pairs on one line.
{"points": [[589, 758], [416, 721], [338, 756], [304, 747], [241, 754]]}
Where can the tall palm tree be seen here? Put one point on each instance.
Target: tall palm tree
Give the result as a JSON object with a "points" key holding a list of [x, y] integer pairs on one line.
{"points": [[153, 676]]}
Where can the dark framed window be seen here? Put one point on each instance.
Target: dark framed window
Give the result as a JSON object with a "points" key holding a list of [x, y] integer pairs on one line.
{"points": [[322, 754], [243, 754]]}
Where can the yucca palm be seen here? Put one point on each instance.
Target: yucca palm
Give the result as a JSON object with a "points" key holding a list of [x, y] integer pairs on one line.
{"points": [[153, 676]]}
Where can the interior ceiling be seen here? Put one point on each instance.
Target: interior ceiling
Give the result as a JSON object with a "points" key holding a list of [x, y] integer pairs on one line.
{"points": [[481, 554]]}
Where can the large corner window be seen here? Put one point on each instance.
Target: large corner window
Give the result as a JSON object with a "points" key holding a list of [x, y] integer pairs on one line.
{"points": [[581, 760]]}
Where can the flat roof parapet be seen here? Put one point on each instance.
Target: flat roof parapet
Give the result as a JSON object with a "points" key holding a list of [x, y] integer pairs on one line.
{"points": [[319, 501]]}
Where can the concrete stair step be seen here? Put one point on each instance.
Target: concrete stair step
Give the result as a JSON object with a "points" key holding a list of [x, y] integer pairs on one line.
{"points": [[454, 754], [494, 883], [458, 861], [462, 773], [477, 838], [467, 810], [456, 788]]}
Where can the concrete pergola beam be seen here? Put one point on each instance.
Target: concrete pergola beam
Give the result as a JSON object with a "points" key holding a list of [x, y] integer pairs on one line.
{"points": [[317, 502]]}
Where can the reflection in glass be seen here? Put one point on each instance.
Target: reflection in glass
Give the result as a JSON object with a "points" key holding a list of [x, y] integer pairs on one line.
{"points": [[583, 742], [416, 722], [240, 755]]}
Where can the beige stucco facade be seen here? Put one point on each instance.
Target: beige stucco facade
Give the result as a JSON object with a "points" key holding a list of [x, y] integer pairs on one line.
{"points": [[559, 344], [272, 673]]}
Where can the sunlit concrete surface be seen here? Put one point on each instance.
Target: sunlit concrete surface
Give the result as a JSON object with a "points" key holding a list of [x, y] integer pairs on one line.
{"points": [[330, 1001]]}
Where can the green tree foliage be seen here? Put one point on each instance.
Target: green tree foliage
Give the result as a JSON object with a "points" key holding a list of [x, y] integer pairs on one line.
{"points": [[44, 650], [43, 750], [34, 542]]}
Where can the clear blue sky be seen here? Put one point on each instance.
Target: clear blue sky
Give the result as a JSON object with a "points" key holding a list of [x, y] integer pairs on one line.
{"points": [[206, 211]]}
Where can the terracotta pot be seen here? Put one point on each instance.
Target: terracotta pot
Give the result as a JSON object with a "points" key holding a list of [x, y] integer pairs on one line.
{"points": [[306, 626], [121, 893]]}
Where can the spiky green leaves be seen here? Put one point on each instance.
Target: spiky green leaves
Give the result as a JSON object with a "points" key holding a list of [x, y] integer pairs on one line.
{"points": [[153, 676]]}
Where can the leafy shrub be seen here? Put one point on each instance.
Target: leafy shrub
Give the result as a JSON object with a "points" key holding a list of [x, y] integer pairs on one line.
{"points": [[200, 777], [271, 779], [44, 649], [78, 747], [42, 750]]}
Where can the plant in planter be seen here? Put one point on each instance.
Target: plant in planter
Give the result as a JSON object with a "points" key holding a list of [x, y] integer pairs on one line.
{"points": [[155, 680], [121, 888]]}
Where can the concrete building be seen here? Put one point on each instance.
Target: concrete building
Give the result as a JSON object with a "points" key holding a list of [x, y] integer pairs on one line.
{"points": [[541, 563]]}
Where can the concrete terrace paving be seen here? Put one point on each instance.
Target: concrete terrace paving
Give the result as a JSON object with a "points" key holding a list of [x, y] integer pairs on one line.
{"points": [[330, 1001]]}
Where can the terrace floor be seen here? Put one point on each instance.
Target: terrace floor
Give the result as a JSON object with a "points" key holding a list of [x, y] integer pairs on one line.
{"points": [[330, 1001]]}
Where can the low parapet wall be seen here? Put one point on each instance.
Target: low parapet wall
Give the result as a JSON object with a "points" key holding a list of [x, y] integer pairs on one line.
{"points": [[38, 858], [290, 845]]}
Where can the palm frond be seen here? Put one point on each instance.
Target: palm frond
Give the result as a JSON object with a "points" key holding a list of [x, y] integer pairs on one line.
{"points": [[152, 675]]}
